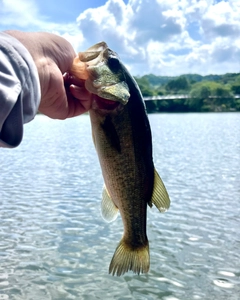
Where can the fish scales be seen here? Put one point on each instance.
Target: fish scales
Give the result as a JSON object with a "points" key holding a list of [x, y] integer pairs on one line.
{"points": [[122, 137], [124, 159]]}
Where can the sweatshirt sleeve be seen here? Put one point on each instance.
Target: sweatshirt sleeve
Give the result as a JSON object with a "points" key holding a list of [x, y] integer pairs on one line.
{"points": [[19, 90]]}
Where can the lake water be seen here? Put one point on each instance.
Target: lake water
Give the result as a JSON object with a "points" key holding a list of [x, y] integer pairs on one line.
{"points": [[54, 243]]}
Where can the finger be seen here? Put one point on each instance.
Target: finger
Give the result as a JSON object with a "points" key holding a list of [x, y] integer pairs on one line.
{"points": [[71, 79], [80, 99], [80, 93], [54, 102]]}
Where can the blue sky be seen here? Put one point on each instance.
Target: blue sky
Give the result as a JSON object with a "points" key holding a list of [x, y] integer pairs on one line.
{"points": [[66, 10], [164, 37]]}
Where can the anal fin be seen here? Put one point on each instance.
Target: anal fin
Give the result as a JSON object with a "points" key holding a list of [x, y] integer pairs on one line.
{"points": [[108, 208]]}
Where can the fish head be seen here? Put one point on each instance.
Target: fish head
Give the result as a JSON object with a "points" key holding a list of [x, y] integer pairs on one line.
{"points": [[105, 74]]}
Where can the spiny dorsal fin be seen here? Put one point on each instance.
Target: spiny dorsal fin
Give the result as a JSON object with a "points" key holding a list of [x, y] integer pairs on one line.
{"points": [[109, 209], [160, 196]]}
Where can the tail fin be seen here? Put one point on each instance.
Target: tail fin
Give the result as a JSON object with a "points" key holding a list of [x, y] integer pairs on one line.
{"points": [[128, 258]]}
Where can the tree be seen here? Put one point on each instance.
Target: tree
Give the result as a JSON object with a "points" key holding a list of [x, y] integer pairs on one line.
{"points": [[206, 93], [224, 98], [210, 96], [236, 88], [178, 84], [151, 106], [198, 98], [144, 86]]}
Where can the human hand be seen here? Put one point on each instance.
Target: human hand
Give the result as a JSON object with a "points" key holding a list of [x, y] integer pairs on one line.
{"points": [[62, 96]]}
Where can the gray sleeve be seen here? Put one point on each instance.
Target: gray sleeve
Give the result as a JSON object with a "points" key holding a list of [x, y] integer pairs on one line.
{"points": [[19, 90]]}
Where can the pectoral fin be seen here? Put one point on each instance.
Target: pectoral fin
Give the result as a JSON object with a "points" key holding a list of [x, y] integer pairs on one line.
{"points": [[160, 196], [109, 209]]}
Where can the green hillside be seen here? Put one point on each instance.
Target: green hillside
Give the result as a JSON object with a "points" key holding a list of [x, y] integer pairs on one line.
{"points": [[206, 93]]}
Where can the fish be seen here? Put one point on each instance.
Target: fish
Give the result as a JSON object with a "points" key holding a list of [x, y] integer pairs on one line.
{"points": [[123, 141]]}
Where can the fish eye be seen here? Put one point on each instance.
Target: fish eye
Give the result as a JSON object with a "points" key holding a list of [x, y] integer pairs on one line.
{"points": [[113, 63]]}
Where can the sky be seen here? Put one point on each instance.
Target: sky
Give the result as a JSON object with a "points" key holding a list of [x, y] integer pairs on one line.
{"points": [[162, 37]]}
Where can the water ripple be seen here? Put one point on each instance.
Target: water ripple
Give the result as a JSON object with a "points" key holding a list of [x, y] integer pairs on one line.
{"points": [[55, 245]]}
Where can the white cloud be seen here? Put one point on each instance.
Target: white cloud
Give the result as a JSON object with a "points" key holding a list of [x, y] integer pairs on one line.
{"points": [[169, 37], [152, 20], [25, 15], [132, 28], [104, 23], [221, 19], [20, 14]]}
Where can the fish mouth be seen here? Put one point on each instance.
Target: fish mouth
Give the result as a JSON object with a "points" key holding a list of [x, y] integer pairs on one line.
{"points": [[104, 104], [105, 75], [117, 92]]}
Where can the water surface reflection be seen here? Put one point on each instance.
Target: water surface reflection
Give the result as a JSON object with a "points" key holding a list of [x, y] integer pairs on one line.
{"points": [[55, 245]]}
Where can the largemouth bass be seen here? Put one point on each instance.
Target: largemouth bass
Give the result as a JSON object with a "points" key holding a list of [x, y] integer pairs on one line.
{"points": [[123, 141]]}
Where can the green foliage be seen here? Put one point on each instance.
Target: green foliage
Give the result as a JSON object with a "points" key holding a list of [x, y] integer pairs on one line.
{"points": [[144, 86], [151, 106], [205, 93], [198, 97], [210, 96], [237, 104], [236, 88], [152, 79], [155, 81], [177, 85]]}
